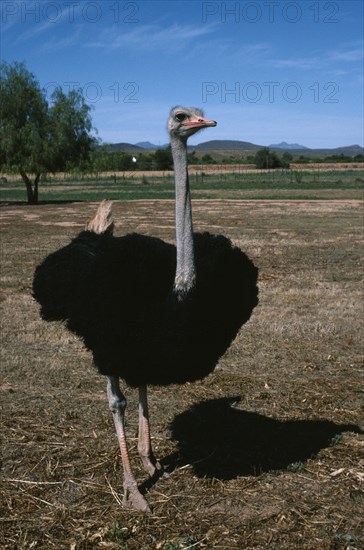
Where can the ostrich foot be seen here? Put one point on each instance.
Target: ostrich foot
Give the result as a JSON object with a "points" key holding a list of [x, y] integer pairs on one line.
{"points": [[152, 466], [134, 499]]}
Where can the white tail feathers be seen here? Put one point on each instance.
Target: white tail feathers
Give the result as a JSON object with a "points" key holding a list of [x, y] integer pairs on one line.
{"points": [[102, 222]]}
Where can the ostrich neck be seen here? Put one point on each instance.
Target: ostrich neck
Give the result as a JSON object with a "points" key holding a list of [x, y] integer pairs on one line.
{"points": [[185, 269]]}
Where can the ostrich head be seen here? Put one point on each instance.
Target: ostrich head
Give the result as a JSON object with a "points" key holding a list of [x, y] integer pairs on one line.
{"points": [[183, 122]]}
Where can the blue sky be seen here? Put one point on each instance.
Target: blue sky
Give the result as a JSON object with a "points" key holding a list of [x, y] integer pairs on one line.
{"points": [[266, 70]]}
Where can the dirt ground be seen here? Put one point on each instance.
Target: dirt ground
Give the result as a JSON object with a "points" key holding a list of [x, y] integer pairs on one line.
{"points": [[267, 452]]}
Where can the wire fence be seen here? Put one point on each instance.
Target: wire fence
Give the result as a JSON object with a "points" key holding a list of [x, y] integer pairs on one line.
{"points": [[198, 173]]}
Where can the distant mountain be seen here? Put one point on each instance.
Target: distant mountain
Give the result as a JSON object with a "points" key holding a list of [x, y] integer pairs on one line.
{"points": [[148, 145], [236, 145], [226, 145], [111, 147], [348, 150], [287, 146]]}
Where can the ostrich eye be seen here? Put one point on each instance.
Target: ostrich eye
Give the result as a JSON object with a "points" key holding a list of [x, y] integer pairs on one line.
{"points": [[181, 117]]}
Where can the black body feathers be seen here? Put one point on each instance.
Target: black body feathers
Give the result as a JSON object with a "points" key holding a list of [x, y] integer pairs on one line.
{"points": [[117, 294]]}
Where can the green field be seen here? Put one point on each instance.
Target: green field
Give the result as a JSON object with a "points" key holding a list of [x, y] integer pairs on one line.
{"points": [[331, 184]]}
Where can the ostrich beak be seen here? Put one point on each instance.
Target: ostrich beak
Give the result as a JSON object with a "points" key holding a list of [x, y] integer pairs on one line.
{"points": [[199, 122]]}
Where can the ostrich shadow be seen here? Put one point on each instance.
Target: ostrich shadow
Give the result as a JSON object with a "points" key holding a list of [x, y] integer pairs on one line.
{"points": [[224, 442]]}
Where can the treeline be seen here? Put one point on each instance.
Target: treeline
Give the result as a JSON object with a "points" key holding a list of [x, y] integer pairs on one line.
{"points": [[302, 159], [103, 160]]}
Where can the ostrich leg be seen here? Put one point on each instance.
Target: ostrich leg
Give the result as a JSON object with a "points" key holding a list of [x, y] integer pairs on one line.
{"points": [[150, 464], [117, 404]]}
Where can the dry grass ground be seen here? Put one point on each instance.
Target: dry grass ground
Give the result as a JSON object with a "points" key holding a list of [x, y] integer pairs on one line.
{"points": [[264, 453]]}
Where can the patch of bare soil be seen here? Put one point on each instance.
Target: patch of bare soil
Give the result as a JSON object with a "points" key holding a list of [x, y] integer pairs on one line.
{"points": [[267, 452]]}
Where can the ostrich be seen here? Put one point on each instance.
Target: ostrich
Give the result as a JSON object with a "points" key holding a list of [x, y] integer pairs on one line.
{"points": [[150, 312]]}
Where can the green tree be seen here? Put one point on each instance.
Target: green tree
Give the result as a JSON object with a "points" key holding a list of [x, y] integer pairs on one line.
{"points": [[163, 159], [35, 137], [207, 159], [99, 159], [144, 162], [286, 160], [302, 159], [265, 158], [70, 124], [125, 162]]}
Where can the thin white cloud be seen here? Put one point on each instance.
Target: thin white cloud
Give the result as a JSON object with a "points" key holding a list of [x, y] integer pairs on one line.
{"points": [[55, 43], [349, 55], [346, 53], [42, 27], [34, 31], [150, 37], [297, 63]]}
